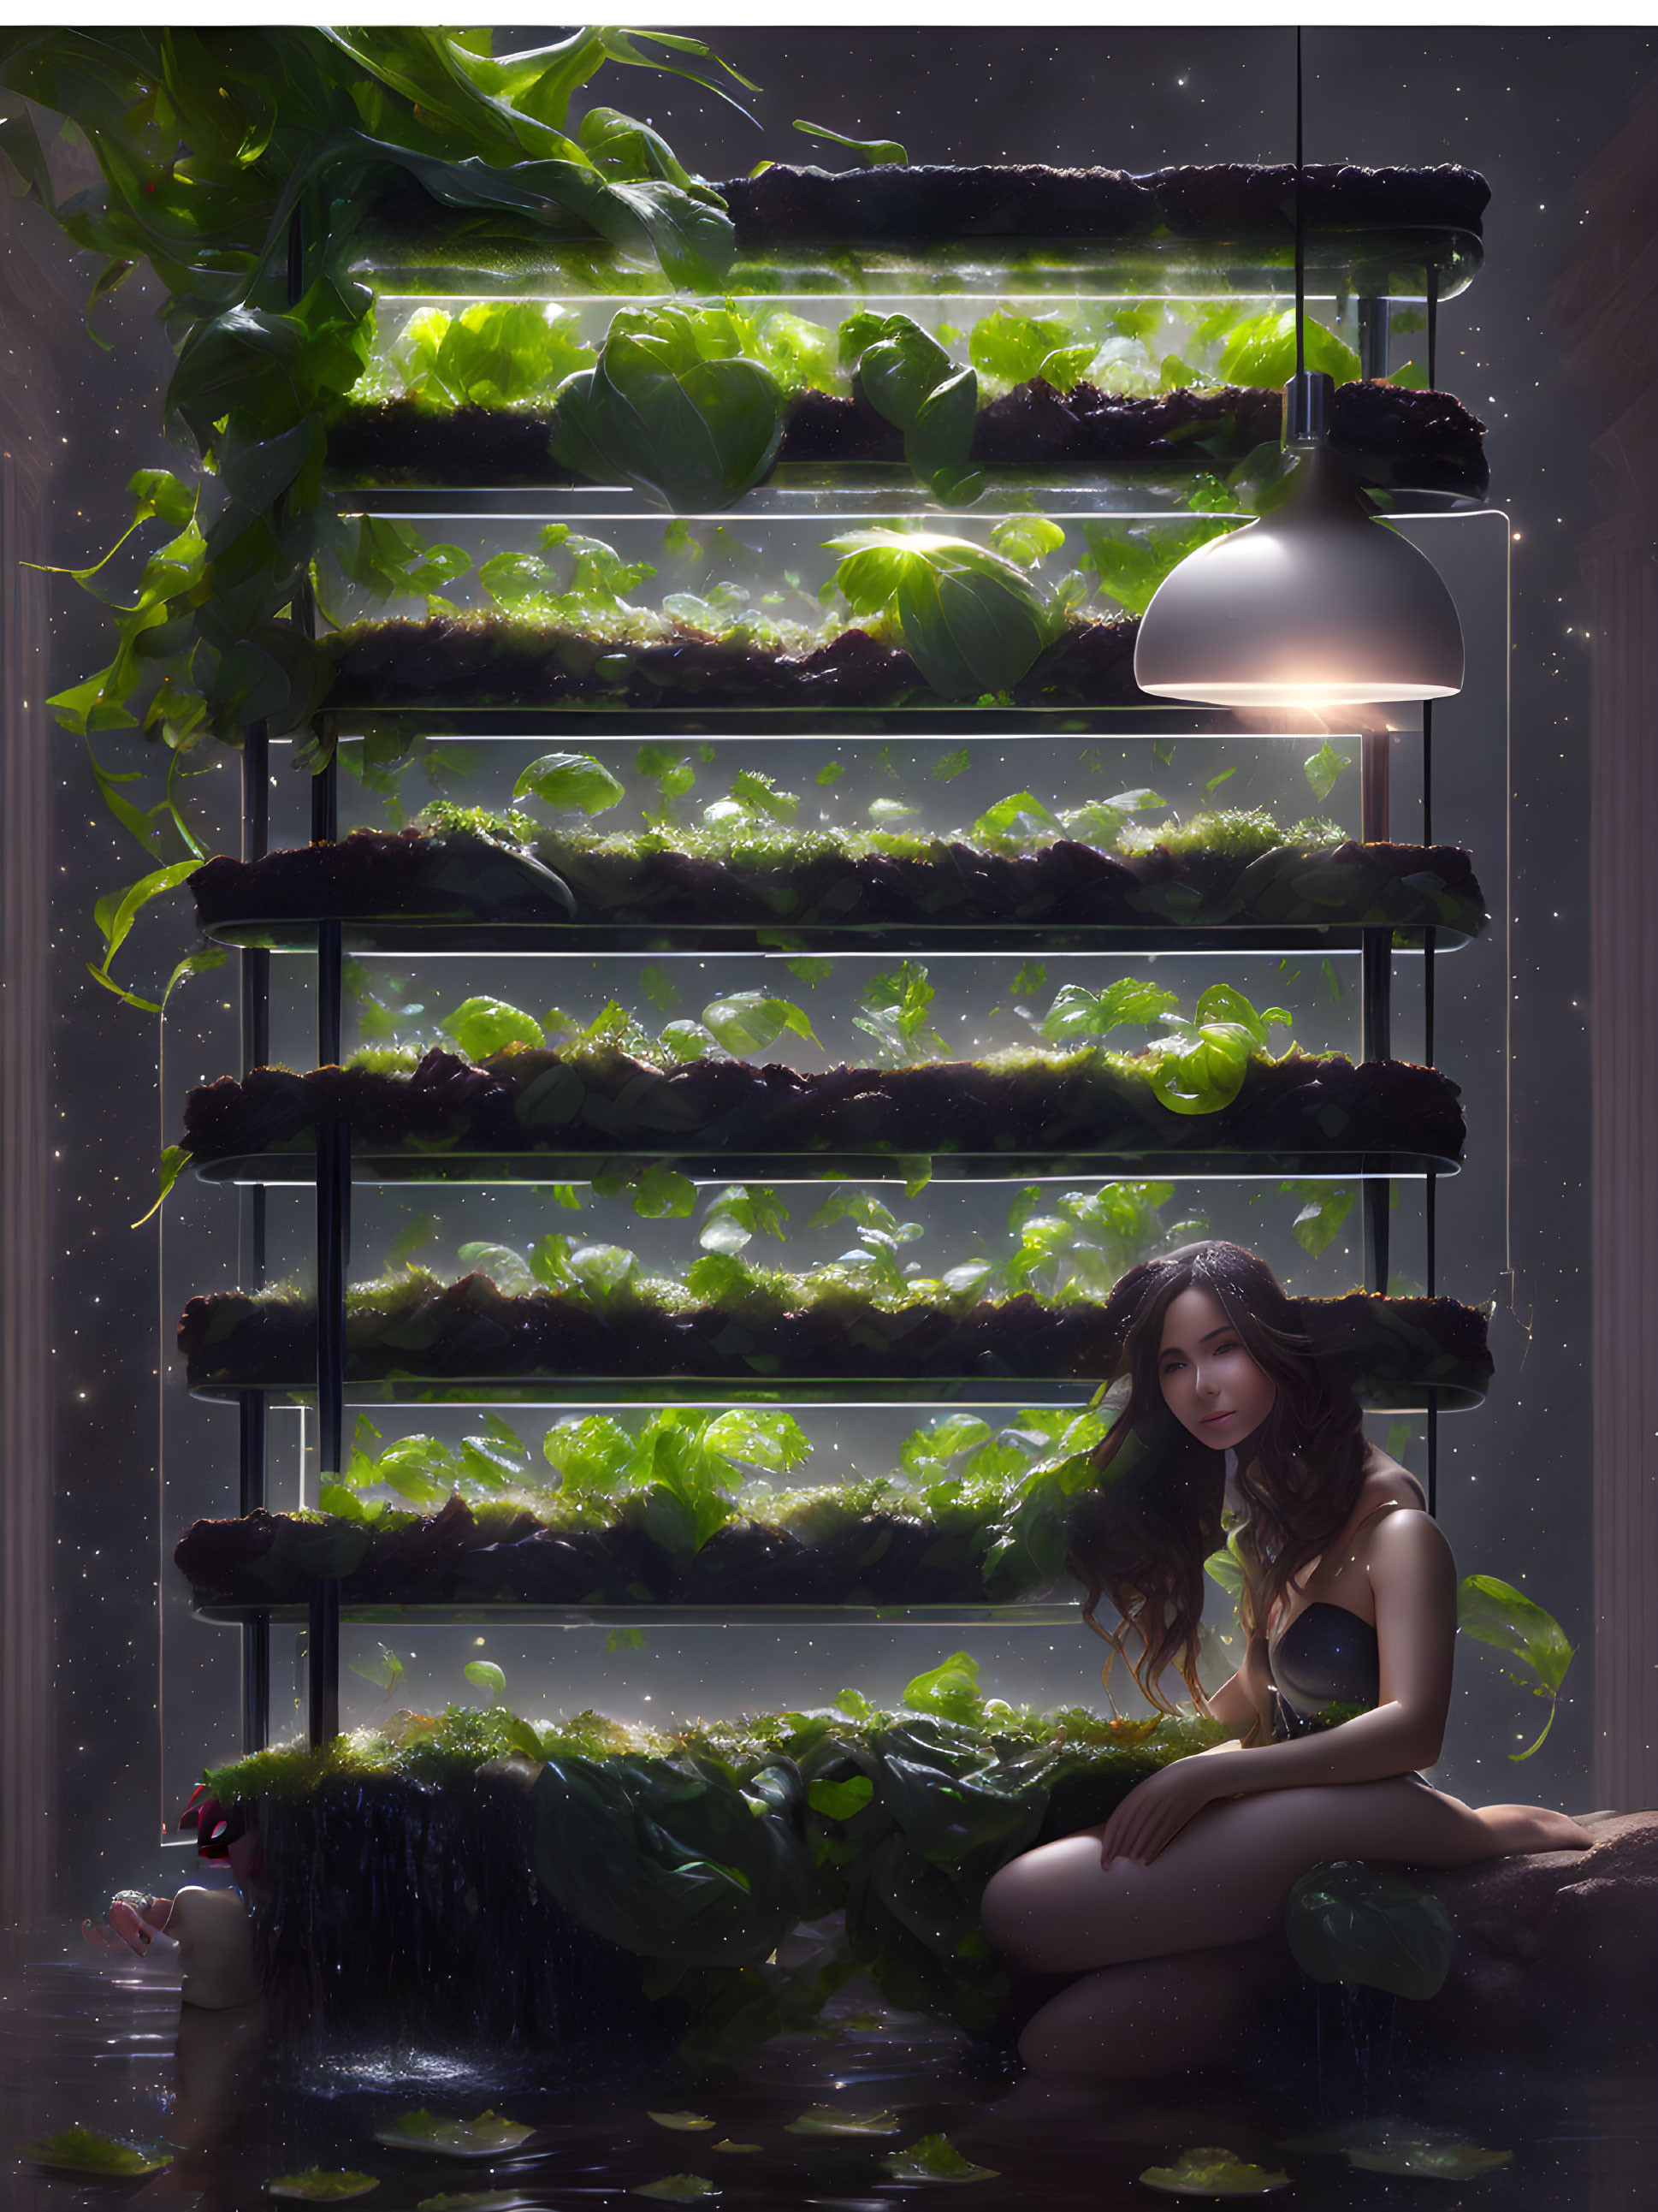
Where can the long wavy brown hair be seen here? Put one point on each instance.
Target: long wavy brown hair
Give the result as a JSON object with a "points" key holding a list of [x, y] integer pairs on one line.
{"points": [[1142, 1536]]}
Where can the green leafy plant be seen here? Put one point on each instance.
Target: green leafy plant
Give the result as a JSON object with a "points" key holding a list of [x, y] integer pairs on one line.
{"points": [[1495, 1612], [674, 408], [319, 2184], [1202, 1068], [497, 353], [1262, 350], [1213, 2171], [971, 619], [896, 1004], [1131, 559], [219, 150], [907, 377]]}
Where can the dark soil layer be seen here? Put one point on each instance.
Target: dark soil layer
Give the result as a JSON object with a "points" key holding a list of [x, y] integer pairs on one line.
{"points": [[470, 1330], [412, 871], [610, 1103], [1223, 200], [1395, 437], [483, 661], [477, 1555], [414, 875]]}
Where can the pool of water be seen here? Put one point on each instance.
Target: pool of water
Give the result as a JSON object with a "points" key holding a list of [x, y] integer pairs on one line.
{"points": [[108, 2047]]}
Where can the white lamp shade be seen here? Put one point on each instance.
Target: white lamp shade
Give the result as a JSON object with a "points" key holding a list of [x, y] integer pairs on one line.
{"points": [[1316, 604]]}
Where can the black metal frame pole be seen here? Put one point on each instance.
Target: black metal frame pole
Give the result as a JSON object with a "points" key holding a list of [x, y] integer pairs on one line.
{"points": [[255, 1052], [1374, 312], [1375, 985], [1430, 1197], [333, 1234]]}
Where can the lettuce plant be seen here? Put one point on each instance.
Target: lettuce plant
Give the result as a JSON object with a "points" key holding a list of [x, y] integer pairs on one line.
{"points": [[971, 620], [674, 408], [907, 377]]}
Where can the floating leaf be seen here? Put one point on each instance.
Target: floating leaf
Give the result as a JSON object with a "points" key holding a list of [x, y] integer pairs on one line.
{"points": [[625, 1639], [1434, 2161], [681, 2122], [1213, 2172], [488, 2135], [475, 2199], [832, 2120], [749, 1021], [724, 2143], [935, 2158], [83, 2151], [386, 1671], [951, 1691], [323, 2186], [677, 2189]]}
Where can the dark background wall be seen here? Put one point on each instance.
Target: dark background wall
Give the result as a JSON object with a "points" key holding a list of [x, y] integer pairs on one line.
{"points": [[1528, 108]]}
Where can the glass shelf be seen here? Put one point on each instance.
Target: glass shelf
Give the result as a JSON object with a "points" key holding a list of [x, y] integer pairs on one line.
{"points": [[602, 1393], [393, 934], [510, 1614], [403, 1167], [436, 260]]}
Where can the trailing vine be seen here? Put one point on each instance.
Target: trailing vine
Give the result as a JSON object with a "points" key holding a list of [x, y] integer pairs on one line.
{"points": [[241, 165]]}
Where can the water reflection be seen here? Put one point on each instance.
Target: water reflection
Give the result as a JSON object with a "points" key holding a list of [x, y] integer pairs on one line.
{"points": [[113, 2051]]}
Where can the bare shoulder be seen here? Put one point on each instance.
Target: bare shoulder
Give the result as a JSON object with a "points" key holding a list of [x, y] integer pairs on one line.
{"points": [[1407, 1541]]}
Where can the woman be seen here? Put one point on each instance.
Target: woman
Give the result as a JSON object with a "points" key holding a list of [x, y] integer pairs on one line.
{"points": [[1349, 1614]]}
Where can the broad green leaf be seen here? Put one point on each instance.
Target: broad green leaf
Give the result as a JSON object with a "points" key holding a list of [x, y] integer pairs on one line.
{"points": [[749, 1021], [1078, 1014], [1012, 347], [1020, 819], [571, 780], [482, 1026], [625, 1639], [1027, 539], [1353, 1920], [1220, 1002], [677, 2189], [1323, 768], [1200, 1068], [841, 1801], [662, 1190], [1325, 1207], [681, 2122], [506, 1268], [951, 1691], [1495, 1612], [484, 1675], [1262, 351]]}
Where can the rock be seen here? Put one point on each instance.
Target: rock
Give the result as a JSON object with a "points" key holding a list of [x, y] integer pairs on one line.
{"points": [[1551, 1946]]}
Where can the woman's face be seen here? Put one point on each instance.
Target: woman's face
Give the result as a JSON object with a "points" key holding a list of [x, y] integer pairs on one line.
{"points": [[1210, 1383]]}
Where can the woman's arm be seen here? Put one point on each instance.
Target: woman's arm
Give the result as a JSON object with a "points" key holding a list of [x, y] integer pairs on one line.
{"points": [[1413, 1579]]}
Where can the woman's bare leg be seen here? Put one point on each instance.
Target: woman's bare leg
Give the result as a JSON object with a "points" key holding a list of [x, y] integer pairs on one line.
{"points": [[1153, 2017], [1224, 1878]]}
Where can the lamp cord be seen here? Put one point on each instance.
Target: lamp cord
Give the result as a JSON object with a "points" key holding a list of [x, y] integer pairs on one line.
{"points": [[1301, 229]]}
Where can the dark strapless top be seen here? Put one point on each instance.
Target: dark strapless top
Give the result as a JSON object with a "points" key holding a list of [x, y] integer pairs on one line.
{"points": [[1325, 1667]]}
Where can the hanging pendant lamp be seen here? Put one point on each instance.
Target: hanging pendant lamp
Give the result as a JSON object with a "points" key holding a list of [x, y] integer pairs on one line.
{"points": [[1318, 604]]}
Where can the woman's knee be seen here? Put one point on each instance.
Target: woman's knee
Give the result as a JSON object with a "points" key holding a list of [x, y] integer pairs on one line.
{"points": [[1030, 1907]]}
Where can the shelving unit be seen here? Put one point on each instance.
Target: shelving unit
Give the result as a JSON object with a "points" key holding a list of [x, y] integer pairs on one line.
{"points": [[1360, 278]]}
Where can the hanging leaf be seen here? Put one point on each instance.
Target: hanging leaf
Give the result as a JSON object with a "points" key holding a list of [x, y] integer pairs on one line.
{"points": [[1495, 1612], [1324, 1207], [173, 1162], [870, 153]]}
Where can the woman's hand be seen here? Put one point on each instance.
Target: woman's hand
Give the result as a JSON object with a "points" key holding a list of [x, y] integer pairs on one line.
{"points": [[1156, 1810]]}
